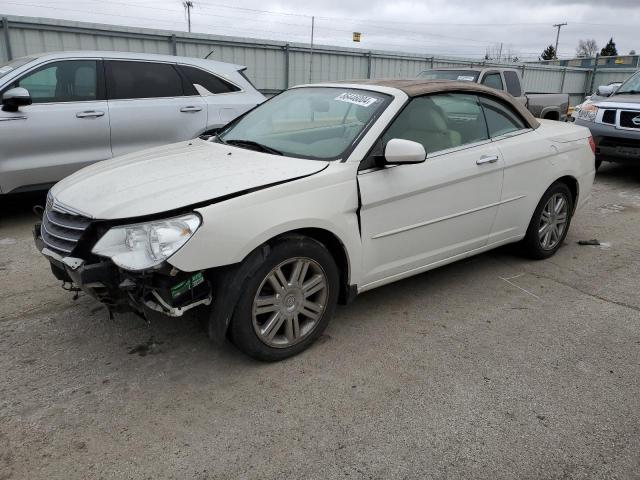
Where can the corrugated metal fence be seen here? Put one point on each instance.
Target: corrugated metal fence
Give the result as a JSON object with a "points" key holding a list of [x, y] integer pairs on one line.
{"points": [[272, 65]]}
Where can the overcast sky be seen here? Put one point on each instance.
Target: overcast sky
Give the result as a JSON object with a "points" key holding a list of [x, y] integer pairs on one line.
{"points": [[464, 28]]}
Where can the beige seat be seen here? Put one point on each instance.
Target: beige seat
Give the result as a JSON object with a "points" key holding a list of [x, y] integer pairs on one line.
{"points": [[424, 122]]}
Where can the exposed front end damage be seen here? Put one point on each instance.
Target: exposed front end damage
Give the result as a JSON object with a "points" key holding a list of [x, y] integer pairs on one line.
{"points": [[164, 289]]}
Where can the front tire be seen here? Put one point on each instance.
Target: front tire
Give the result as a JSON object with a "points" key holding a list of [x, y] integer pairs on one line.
{"points": [[288, 302], [550, 222]]}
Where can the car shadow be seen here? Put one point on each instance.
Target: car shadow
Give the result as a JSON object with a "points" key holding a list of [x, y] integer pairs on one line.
{"points": [[20, 205], [622, 173]]}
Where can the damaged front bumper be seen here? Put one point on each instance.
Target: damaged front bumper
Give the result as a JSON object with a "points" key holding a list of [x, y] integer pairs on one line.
{"points": [[165, 290]]}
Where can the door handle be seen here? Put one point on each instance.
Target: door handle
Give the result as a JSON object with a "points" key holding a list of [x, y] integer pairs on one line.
{"points": [[190, 109], [487, 159], [90, 114]]}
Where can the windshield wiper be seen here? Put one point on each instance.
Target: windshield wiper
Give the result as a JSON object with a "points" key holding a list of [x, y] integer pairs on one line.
{"points": [[251, 143]]}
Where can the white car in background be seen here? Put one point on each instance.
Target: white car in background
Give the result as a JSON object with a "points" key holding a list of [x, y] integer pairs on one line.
{"points": [[323, 192], [63, 111]]}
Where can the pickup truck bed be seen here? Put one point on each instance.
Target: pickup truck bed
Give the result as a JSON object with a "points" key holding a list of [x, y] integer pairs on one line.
{"points": [[550, 106]]}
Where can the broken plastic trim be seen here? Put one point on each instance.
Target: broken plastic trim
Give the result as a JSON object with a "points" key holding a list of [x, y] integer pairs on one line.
{"points": [[166, 309]]}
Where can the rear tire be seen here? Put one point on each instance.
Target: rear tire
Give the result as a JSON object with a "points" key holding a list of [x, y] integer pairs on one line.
{"points": [[288, 302], [550, 223]]}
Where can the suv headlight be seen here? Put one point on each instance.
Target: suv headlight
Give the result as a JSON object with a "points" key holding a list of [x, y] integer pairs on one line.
{"points": [[588, 112], [145, 245]]}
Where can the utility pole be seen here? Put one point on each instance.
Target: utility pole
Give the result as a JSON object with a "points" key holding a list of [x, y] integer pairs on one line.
{"points": [[313, 22], [500, 53], [558, 26], [188, 5]]}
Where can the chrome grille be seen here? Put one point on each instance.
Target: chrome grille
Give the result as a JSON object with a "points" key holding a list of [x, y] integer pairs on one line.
{"points": [[60, 229]]}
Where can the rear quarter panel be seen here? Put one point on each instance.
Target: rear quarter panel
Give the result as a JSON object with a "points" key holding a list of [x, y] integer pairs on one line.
{"points": [[534, 161]]}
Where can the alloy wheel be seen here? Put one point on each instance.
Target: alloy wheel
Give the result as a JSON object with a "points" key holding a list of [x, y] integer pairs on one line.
{"points": [[290, 302], [553, 221]]}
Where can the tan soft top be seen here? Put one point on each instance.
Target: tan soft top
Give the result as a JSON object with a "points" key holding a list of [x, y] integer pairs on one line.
{"points": [[416, 87]]}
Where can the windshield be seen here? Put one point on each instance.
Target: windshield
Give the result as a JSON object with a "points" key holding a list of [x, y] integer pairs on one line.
{"points": [[463, 75], [312, 122], [632, 85], [5, 68]]}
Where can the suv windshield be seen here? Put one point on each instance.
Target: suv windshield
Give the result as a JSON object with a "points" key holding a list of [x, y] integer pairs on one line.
{"points": [[5, 68], [311, 122], [463, 75], [632, 85]]}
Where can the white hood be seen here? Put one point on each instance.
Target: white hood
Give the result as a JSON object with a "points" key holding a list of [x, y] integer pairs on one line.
{"points": [[173, 176]]}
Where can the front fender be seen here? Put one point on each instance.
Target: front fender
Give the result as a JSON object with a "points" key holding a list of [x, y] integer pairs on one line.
{"points": [[234, 228]]}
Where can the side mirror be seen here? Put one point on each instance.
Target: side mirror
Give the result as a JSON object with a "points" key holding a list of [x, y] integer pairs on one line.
{"points": [[605, 91], [399, 151], [15, 98]]}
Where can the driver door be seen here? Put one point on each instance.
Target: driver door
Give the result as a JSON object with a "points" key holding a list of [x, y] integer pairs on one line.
{"points": [[415, 217]]}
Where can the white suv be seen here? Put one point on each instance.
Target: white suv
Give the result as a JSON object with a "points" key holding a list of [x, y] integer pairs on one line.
{"points": [[63, 111]]}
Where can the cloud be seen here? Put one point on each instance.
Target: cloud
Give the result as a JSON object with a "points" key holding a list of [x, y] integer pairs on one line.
{"points": [[453, 27]]}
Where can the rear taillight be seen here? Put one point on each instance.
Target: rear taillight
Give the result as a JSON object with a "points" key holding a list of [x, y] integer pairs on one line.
{"points": [[592, 144]]}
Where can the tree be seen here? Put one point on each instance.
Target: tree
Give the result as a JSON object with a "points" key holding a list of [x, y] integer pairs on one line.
{"points": [[549, 53], [609, 49], [587, 48], [632, 52]]}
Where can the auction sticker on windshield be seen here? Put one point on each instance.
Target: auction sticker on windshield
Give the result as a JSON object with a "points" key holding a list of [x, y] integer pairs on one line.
{"points": [[356, 98], [466, 78]]}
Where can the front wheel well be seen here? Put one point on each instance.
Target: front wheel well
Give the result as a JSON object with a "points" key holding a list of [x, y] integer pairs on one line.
{"points": [[337, 250], [552, 116]]}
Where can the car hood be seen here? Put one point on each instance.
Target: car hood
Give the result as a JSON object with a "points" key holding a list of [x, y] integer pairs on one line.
{"points": [[173, 176], [622, 98]]}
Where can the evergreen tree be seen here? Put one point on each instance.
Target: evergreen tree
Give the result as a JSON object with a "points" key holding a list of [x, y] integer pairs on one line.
{"points": [[549, 53], [609, 49]]}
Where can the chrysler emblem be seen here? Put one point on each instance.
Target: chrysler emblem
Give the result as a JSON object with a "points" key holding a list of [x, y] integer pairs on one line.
{"points": [[636, 120]]}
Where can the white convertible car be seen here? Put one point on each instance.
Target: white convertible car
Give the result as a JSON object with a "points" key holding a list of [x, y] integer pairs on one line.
{"points": [[323, 192]]}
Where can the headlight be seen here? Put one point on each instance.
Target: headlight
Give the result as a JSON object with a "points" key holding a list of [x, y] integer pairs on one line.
{"points": [[145, 245], [588, 112]]}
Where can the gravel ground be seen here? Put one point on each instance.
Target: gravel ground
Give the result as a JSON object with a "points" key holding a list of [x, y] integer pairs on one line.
{"points": [[495, 367]]}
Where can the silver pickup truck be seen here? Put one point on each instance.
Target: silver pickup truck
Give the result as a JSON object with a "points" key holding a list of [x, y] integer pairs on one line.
{"points": [[615, 123], [551, 106]]}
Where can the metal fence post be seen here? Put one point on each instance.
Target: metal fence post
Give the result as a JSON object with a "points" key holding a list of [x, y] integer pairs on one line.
{"points": [[564, 75], [286, 66], [174, 44], [432, 62], [369, 64], [7, 40]]}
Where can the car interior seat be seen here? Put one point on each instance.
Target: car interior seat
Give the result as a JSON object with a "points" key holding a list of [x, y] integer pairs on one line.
{"points": [[424, 122]]}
